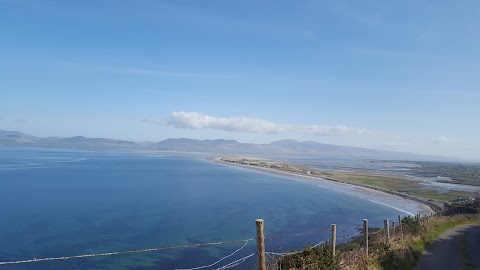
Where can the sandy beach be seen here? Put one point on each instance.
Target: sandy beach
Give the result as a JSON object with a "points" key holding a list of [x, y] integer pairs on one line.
{"points": [[403, 205]]}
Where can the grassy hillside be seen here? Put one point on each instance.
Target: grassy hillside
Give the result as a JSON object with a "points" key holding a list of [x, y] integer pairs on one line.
{"points": [[399, 253]]}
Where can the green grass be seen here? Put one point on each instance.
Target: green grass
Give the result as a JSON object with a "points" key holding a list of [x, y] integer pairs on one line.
{"points": [[404, 253], [439, 226], [399, 184], [434, 195], [392, 183]]}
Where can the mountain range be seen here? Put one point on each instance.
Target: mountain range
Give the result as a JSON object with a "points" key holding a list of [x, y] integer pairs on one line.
{"points": [[283, 148]]}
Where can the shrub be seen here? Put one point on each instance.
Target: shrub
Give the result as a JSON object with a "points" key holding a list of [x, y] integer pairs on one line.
{"points": [[311, 258], [351, 246], [411, 226]]}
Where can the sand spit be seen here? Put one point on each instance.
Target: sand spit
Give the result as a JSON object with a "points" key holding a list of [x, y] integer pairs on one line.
{"points": [[403, 203]]}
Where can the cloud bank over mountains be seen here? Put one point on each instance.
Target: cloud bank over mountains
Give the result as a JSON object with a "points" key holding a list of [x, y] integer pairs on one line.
{"points": [[193, 120]]}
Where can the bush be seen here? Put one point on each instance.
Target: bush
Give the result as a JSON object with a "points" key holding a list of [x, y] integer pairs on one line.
{"points": [[393, 258], [350, 246], [411, 226], [399, 253], [309, 259]]}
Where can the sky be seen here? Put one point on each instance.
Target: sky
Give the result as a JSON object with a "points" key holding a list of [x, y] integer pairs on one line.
{"points": [[394, 75]]}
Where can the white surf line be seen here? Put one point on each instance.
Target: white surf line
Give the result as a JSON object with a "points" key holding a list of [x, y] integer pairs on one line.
{"points": [[339, 187], [335, 186], [377, 202], [356, 195], [396, 208]]}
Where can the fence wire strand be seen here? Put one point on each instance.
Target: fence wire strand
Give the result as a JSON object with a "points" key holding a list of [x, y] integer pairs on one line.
{"points": [[236, 263], [296, 234], [350, 236], [280, 254], [123, 252], [318, 244], [210, 265], [227, 266], [379, 230]]}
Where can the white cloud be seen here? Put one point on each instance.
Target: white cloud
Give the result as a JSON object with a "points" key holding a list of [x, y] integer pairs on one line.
{"points": [[440, 140], [193, 120]]}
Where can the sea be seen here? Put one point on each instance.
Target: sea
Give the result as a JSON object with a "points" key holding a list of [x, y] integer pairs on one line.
{"points": [[56, 203]]}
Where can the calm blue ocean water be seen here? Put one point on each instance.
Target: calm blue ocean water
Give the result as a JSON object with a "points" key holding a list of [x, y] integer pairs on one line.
{"points": [[58, 203]]}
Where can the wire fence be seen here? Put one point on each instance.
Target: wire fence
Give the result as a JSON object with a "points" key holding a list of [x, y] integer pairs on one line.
{"points": [[355, 232]]}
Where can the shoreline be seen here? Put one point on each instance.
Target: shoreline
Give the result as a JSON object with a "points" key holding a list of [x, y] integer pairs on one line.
{"points": [[354, 189]]}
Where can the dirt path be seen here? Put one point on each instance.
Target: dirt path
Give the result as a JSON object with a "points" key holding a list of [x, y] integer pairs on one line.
{"points": [[455, 249]]}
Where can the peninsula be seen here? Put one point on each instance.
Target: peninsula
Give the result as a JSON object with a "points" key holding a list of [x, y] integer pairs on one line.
{"points": [[283, 168]]}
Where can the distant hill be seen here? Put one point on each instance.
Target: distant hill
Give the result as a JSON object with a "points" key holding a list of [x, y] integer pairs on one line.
{"points": [[18, 139], [287, 148], [207, 146], [283, 148]]}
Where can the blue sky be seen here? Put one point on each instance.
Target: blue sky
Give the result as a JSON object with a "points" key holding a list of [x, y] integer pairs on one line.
{"points": [[398, 75]]}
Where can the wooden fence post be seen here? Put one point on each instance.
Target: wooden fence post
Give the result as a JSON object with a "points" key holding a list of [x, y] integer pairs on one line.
{"points": [[387, 230], [262, 263], [393, 228], [400, 224], [334, 238], [365, 234]]}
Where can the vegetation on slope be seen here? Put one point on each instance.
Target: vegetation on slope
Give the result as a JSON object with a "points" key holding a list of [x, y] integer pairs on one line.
{"points": [[399, 253]]}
